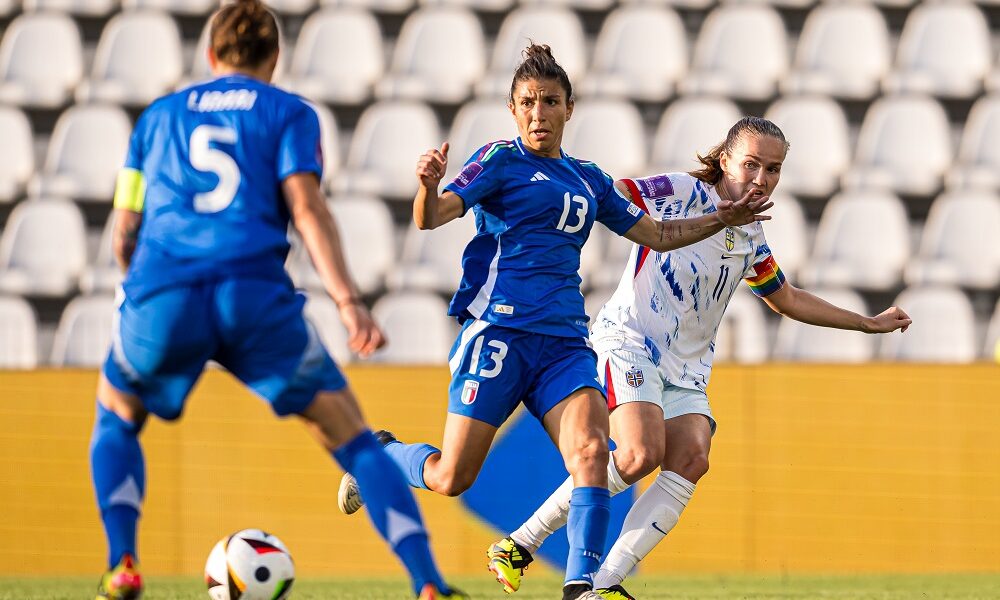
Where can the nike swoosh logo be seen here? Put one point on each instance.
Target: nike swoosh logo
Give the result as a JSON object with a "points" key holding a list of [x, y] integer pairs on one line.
{"points": [[725, 257], [658, 529]]}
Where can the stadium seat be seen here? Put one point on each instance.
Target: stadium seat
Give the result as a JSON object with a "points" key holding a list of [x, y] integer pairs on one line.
{"points": [[80, 8], [104, 274], [689, 126], [615, 251], [588, 5], [18, 335], [292, 7], [87, 149], [742, 335], [178, 7], [904, 145], [381, 6], [993, 79], [323, 313], [41, 60], [84, 333], [944, 50], [641, 53], [477, 123], [793, 4], [7, 7], [593, 256], [587, 136], [978, 163], [494, 6], [387, 142], [555, 26], [991, 350], [959, 242], [43, 249], [432, 260], [786, 233], [138, 59], [337, 58], [863, 241], [418, 71], [843, 52], [797, 341], [417, 326], [943, 328], [17, 153], [330, 139], [729, 62], [816, 128], [367, 236]]}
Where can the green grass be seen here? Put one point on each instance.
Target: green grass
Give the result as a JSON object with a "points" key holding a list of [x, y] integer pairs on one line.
{"points": [[877, 587]]}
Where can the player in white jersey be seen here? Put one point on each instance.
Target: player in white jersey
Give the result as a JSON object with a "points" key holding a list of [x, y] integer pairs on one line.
{"points": [[655, 340]]}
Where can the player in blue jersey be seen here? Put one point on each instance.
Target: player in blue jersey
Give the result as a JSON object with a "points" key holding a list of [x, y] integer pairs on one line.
{"points": [[213, 176], [524, 333]]}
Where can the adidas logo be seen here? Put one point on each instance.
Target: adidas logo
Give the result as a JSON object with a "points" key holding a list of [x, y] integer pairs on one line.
{"points": [[539, 176]]}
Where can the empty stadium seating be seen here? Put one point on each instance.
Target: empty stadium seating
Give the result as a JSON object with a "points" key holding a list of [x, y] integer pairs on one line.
{"points": [[18, 335], [688, 126], [802, 342], [84, 333], [943, 328], [417, 327], [17, 154], [816, 128], [43, 249], [41, 60], [978, 162]]}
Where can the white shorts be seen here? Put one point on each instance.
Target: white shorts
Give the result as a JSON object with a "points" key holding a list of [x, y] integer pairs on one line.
{"points": [[632, 377]]}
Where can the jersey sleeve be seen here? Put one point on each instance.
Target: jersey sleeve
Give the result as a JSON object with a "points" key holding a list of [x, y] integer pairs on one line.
{"points": [[300, 150], [130, 187], [481, 177], [764, 276], [615, 211]]}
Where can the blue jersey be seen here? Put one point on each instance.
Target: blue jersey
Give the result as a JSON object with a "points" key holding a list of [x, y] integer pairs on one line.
{"points": [[212, 158], [533, 215]]}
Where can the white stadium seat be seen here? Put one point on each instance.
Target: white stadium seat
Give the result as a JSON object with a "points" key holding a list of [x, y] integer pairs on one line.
{"points": [[43, 249], [87, 148], [690, 126], [477, 123], [103, 275], [641, 54], [993, 79], [432, 260], [7, 7], [959, 243], [81, 8], [943, 329], [595, 5], [944, 50], [387, 142], [863, 241], [742, 335], [816, 128], [615, 251], [330, 139], [179, 7], [904, 145], [84, 333], [843, 52], [808, 343], [991, 350], [978, 163], [729, 62], [382, 6], [18, 334], [483, 5], [593, 256], [338, 57], [323, 313], [786, 233], [17, 154], [138, 59], [41, 60], [418, 71], [587, 136], [417, 326], [557, 27], [291, 7]]}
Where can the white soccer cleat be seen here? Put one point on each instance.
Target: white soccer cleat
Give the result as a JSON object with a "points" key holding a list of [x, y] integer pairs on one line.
{"points": [[349, 499]]}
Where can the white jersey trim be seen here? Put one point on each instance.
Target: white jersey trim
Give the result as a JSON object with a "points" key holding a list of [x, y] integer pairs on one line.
{"points": [[478, 306], [468, 334]]}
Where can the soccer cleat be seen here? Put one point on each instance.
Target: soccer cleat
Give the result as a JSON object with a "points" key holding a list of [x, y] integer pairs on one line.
{"points": [[579, 591], [615, 592], [508, 560], [121, 583], [430, 592], [349, 499]]}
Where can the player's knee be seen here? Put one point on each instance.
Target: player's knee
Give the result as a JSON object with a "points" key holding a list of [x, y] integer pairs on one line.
{"points": [[635, 463], [590, 453], [692, 465], [454, 484]]}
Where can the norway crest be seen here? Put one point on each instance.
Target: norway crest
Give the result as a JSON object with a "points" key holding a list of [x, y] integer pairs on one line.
{"points": [[634, 377], [730, 239]]}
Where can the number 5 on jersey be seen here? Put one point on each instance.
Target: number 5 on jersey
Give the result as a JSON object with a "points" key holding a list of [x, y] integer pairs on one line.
{"points": [[207, 159]]}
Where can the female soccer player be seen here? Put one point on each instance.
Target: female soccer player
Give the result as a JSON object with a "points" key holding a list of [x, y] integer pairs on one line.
{"points": [[655, 340], [212, 177], [524, 328]]}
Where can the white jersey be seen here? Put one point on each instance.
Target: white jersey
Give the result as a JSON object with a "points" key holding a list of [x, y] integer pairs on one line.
{"points": [[669, 305]]}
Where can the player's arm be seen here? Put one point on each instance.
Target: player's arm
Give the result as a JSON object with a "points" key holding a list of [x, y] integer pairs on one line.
{"points": [[671, 234], [316, 226], [431, 210], [800, 305], [130, 194]]}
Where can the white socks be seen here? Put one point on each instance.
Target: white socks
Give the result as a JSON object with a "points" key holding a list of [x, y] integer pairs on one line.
{"points": [[652, 516], [552, 514]]}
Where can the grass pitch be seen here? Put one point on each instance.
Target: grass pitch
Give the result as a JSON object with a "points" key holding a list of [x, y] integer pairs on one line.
{"points": [[537, 586]]}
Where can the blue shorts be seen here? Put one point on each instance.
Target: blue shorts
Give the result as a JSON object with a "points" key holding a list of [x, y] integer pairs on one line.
{"points": [[253, 328], [493, 369]]}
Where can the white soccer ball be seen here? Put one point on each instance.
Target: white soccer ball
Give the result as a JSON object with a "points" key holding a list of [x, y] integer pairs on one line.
{"points": [[249, 565]]}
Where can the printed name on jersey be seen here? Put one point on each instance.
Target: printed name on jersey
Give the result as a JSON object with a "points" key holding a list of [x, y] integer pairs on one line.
{"points": [[468, 175], [214, 100], [470, 391], [730, 239], [657, 186], [503, 309], [634, 377]]}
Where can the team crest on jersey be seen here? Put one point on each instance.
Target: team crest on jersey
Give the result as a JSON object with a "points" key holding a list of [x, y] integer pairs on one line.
{"points": [[634, 377], [470, 391], [468, 175], [730, 239], [589, 189]]}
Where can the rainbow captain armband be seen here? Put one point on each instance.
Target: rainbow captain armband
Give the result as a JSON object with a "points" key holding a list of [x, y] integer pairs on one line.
{"points": [[767, 278], [130, 190]]}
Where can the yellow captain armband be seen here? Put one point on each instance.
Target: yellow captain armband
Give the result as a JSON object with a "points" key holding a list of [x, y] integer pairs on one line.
{"points": [[130, 190]]}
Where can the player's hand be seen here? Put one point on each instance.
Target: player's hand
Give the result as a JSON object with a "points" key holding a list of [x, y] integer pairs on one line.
{"points": [[889, 320], [744, 211], [363, 334], [432, 166]]}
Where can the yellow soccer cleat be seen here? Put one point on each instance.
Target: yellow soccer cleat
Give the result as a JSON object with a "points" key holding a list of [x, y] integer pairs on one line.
{"points": [[508, 560], [121, 583], [615, 592], [430, 592]]}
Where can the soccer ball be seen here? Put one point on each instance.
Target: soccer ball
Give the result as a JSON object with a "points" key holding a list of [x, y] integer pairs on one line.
{"points": [[249, 565]]}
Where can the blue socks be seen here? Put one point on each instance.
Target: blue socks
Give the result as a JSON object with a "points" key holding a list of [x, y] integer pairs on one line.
{"points": [[411, 459], [587, 529], [119, 474], [391, 506]]}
